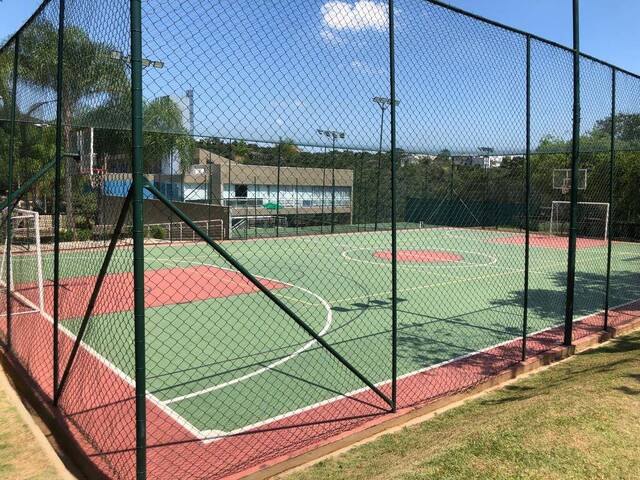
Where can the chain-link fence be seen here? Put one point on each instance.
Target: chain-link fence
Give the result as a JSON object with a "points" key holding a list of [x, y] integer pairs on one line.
{"points": [[232, 231]]}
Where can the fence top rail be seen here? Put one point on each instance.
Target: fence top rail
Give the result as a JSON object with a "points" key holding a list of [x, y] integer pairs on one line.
{"points": [[438, 3], [26, 24], [532, 36]]}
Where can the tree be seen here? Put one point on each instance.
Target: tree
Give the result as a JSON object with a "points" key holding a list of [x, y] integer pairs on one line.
{"points": [[239, 150], [89, 75], [165, 136], [288, 149], [627, 129]]}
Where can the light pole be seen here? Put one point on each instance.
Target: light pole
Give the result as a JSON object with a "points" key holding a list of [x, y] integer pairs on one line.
{"points": [[383, 103], [333, 135]]}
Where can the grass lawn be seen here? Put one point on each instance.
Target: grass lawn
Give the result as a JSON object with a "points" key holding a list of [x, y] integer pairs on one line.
{"points": [[20, 455], [577, 420]]}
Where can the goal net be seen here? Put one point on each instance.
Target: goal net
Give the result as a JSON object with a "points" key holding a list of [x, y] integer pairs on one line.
{"points": [[592, 219], [240, 224], [25, 282]]}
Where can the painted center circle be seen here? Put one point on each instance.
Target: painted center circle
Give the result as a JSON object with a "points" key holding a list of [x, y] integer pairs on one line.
{"points": [[419, 256]]}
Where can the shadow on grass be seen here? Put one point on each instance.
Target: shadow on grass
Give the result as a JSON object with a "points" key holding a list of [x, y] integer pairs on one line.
{"points": [[578, 373]]}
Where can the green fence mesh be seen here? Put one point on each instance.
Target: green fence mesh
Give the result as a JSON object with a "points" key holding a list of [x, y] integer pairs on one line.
{"points": [[284, 305]]}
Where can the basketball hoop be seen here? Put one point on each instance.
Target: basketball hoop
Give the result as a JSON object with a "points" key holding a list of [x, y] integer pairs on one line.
{"points": [[566, 186]]}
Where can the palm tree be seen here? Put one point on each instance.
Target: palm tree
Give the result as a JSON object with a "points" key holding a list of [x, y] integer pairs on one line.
{"points": [[165, 135], [90, 75]]}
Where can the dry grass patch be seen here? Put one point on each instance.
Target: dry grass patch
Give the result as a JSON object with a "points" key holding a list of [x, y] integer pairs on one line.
{"points": [[20, 455]]}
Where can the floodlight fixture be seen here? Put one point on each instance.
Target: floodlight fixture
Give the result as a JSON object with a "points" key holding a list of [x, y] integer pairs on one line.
{"points": [[333, 134], [385, 102], [117, 55]]}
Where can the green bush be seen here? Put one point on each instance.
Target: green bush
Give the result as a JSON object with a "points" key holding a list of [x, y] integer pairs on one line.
{"points": [[156, 231], [82, 234]]}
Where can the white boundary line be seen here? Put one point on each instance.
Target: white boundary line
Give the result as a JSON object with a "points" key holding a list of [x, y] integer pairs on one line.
{"points": [[119, 373], [271, 366], [406, 375]]}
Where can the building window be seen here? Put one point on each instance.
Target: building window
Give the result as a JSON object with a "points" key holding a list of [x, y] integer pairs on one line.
{"points": [[241, 191]]}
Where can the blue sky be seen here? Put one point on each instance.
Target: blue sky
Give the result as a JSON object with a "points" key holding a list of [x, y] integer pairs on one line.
{"points": [[285, 69], [609, 28]]}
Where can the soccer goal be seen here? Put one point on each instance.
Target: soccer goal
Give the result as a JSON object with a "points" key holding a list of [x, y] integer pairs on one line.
{"points": [[26, 285], [592, 219]]}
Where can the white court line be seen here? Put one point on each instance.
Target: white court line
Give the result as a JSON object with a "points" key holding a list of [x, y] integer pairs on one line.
{"points": [[271, 366], [119, 373], [386, 382], [458, 280]]}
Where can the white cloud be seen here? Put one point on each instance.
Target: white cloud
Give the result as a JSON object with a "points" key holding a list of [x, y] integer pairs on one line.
{"points": [[364, 67], [361, 15], [327, 35]]}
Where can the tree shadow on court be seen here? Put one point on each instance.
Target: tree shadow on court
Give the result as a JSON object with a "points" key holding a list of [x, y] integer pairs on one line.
{"points": [[443, 339], [434, 340], [548, 305]]}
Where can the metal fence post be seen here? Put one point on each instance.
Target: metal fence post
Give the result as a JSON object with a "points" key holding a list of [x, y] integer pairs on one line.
{"points": [[12, 138], [333, 185], [278, 189], [209, 192], [575, 152], [451, 181], [612, 160], [394, 186], [527, 194], [56, 207], [355, 197], [138, 237], [297, 208], [255, 207], [324, 170]]}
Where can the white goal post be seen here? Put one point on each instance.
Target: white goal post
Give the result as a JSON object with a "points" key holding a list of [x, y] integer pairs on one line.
{"points": [[592, 219], [26, 281]]}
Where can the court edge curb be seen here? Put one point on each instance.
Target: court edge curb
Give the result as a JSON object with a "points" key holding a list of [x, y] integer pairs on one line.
{"points": [[410, 416], [48, 422]]}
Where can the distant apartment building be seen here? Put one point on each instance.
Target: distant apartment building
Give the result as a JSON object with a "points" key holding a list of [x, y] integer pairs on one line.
{"points": [[487, 161], [252, 190]]}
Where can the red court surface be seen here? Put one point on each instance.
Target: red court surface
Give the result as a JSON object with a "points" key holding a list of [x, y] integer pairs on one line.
{"points": [[419, 256], [549, 241], [167, 286], [98, 404]]}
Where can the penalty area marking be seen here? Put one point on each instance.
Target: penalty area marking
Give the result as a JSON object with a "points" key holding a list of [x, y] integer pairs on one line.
{"points": [[271, 366]]}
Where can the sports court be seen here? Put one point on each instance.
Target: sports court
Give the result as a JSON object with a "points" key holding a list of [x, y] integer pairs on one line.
{"points": [[459, 292]]}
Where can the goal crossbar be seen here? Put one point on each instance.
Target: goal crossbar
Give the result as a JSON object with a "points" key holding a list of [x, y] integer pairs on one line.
{"points": [[556, 204], [34, 305]]}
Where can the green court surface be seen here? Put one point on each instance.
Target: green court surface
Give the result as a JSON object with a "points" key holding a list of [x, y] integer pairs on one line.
{"points": [[229, 363]]}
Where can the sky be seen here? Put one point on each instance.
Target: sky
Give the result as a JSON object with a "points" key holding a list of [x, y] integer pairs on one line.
{"points": [[609, 27], [285, 69]]}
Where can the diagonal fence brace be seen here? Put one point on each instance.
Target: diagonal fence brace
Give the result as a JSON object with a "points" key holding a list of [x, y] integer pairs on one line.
{"points": [[94, 294], [249, 276], [15, 196]]}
